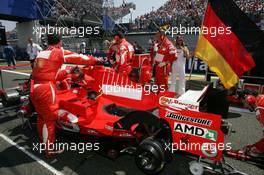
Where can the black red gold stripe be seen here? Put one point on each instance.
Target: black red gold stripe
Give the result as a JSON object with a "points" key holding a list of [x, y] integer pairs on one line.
{"points": [[229, 54]]}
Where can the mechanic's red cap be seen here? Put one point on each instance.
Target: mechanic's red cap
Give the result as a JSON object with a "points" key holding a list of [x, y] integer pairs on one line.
{"points": [[251, 100]]}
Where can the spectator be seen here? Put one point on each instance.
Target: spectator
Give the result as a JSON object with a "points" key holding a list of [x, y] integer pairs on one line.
{"points": [[178, 66], [32, 50], [83, 47], [9, 55]]}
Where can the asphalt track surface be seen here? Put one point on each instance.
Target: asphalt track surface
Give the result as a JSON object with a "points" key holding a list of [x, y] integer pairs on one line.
{"points": [[14, 136]]}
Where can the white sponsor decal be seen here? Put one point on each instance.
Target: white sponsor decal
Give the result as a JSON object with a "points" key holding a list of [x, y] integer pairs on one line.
{"points": [[70, 122], [110, 128], [92, 132], [69, 66], [176, 103], [195, 131], [44, 54], [200, 121], [119, 91]]}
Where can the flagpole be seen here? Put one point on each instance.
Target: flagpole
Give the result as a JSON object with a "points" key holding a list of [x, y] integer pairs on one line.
{"points": [[207, 67], [190, 76]]}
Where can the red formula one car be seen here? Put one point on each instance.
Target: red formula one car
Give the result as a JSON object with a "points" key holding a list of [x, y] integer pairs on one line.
{"points": [[107, 104]]}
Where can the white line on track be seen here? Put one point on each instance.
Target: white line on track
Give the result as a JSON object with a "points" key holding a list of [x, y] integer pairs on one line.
{"points": [[15, 72], [41, 162]]}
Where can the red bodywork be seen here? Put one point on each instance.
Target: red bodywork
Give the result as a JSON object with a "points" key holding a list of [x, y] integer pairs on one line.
{"points": [[79, 114], [142, 63], [140, 60]]}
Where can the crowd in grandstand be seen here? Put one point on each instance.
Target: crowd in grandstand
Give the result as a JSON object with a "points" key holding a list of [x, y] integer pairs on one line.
{"points": [[82, 8], [254, 8], [121, 11], [76, 8], [190, 13], [173, 12]]}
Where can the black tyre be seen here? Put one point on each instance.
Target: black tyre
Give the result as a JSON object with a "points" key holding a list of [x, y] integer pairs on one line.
{"points": [[150, 156]]}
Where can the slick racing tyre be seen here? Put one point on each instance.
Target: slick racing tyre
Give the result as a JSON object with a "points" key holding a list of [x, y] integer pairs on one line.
{"points": [[150, 156]]}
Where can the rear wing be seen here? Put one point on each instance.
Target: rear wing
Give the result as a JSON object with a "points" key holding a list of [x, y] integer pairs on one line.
{"points": [[194, 95], [190, 100]]}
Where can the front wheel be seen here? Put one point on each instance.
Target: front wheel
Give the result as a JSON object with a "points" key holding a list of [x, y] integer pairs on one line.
{"points": [[150, 156]]}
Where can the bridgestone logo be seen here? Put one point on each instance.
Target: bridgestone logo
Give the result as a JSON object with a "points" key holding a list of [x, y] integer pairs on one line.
{"points": [[195, 131], [190, 119]]}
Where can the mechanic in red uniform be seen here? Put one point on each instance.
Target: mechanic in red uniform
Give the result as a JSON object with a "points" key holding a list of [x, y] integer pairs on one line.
{"points": [[111, 53], [124, 54], [45, 73], [257, 103], [164, 57]]}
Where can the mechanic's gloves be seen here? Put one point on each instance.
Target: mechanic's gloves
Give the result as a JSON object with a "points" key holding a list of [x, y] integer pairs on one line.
{"points": [[162, 64], [251, 100]]}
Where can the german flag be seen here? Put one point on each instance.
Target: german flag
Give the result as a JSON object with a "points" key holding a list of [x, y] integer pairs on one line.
{"points": [[230, 42]]}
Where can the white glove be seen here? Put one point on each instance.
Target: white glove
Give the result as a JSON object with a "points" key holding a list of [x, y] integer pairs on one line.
{"points": [[162, 64]]}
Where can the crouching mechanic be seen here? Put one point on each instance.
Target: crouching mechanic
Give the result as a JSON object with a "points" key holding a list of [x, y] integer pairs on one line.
{"points": [[257, 103], [45, 73], [165, 56]]}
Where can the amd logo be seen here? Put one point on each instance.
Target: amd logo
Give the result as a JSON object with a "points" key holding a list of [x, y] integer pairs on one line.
{"points": [[195, 131], [189, 129]]}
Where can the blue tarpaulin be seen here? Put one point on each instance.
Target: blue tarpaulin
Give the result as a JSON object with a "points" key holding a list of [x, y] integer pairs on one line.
{"points": [[24, 9], [108, 23]]}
